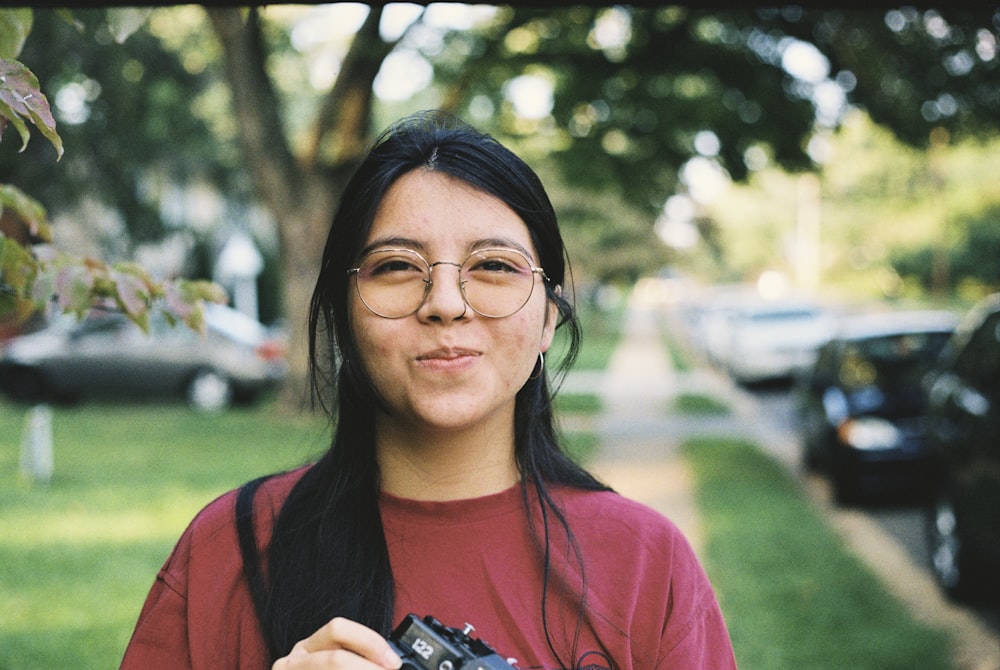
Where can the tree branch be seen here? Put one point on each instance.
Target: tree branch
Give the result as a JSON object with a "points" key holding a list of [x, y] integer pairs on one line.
{"points": [[342, 124], [255, 105]]}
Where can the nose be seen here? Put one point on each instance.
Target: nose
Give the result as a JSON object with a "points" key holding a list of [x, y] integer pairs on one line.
{"points": [[445, 300]]}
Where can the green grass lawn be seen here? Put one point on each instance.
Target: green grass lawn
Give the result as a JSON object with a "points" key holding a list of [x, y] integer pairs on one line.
{"points": [[793, 596], [79, 554], [578, 403], [698, 404]]}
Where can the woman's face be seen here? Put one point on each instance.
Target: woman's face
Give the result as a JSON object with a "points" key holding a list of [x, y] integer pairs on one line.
{"points": [[445, 367]]}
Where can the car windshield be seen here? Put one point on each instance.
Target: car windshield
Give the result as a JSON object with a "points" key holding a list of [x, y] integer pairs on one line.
{"points": [[784, 315], [890, 360]]}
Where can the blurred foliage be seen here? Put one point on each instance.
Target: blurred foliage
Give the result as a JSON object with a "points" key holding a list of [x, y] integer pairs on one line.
{"points": [[627, 116], [30, 278], [128, 113], [635, 86], [912, 68], [969, 259], [895, 221]]}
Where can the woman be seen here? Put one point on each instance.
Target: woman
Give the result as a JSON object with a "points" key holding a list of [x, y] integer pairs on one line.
{"points": [[445, 491]]}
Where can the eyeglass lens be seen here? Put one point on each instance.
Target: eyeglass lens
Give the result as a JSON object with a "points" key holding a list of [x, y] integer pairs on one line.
{"points": [[394, 283]]}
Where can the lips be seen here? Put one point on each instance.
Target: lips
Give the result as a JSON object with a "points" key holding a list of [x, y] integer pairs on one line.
{"points": [[448, 354]]}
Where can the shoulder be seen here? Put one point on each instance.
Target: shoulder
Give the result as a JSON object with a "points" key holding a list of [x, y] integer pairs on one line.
{"points": [[609, 515], [218, 517], [630, 542], [645, 580], [199, 606], [210, 542]]}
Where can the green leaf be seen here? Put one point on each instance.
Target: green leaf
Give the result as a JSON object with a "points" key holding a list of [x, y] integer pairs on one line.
{"points": [[18, 271], [124, 22], [195, 319], [14, 308], [28, 209], [67, 16], [21, 98], [8, 114], [17, 267], [184, 299], [132, 287], [74, 286], [200, 289], [31, 279], [44, 286], [15, 26]]}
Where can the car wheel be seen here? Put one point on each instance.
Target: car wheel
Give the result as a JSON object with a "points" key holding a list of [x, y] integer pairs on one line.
{"points": [[845, 489], [810, 456], [209, 391], [946, 551]]}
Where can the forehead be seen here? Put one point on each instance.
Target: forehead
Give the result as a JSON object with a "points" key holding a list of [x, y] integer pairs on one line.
{"points": [[436, 212]]}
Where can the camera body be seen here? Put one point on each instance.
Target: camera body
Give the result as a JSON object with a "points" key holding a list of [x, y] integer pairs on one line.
{"points": [[427, 644]]}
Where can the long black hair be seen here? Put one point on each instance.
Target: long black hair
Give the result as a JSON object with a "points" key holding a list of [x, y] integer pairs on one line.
{"points": [[328, 555]]}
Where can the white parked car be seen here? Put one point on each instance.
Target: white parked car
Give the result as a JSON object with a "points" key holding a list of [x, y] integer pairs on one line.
{"points": [[774, 339]]}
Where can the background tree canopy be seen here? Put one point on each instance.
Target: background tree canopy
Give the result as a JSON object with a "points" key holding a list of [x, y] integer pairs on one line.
{"points": [[274, 106]]}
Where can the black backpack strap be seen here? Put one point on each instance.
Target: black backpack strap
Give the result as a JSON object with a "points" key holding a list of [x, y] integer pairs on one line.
{"points": [[248, 545]]}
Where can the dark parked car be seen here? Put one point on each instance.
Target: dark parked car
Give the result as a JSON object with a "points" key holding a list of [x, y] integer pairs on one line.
{"points": [[105, 354], [862, 405], [964, 441]]}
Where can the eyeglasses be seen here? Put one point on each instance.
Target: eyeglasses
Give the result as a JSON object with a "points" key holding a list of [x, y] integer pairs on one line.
{"points": [[495, 283]]}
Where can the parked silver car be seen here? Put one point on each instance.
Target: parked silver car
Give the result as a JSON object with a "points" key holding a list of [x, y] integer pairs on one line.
{"points": [[105, 354], [774, 339]]}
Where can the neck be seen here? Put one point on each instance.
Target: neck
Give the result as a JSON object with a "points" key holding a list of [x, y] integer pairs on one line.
{"points": [[444, 465]]}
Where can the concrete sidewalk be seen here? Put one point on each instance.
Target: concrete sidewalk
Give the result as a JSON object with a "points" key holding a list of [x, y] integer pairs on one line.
{"points": [[639, 456]]}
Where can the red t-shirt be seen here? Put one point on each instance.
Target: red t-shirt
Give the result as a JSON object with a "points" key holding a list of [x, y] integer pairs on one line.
{"points": [[649, 604]]}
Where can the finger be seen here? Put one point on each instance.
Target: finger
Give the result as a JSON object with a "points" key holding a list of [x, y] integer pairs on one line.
{"points": [[341, 633], [336, 659]]}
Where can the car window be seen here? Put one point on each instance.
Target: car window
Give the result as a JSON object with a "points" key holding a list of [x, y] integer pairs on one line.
{"points": [[786, 315], [100, 324], [892, 359], [825, 369], [979, 361], [903, 347]]}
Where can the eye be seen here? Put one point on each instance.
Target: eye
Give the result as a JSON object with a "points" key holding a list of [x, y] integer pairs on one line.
{"points": [[392, 265], [498, 263]]}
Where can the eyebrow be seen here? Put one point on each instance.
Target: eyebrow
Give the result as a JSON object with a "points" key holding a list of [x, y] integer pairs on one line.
{"points": [[416, 245], [395, 242]]}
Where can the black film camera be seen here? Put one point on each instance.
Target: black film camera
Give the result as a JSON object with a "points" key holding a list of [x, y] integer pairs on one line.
{"points": [[427, 644]]}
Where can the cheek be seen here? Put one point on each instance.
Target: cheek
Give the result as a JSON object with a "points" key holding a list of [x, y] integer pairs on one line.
{"points": [[372, 343], [526, 339]]}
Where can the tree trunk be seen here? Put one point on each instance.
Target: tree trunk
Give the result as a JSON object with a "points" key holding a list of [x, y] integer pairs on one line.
{"points": [[303, 233], [302, 192]]}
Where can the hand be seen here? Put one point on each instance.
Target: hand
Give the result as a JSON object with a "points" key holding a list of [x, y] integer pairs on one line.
{"points": [[344, 644]]}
